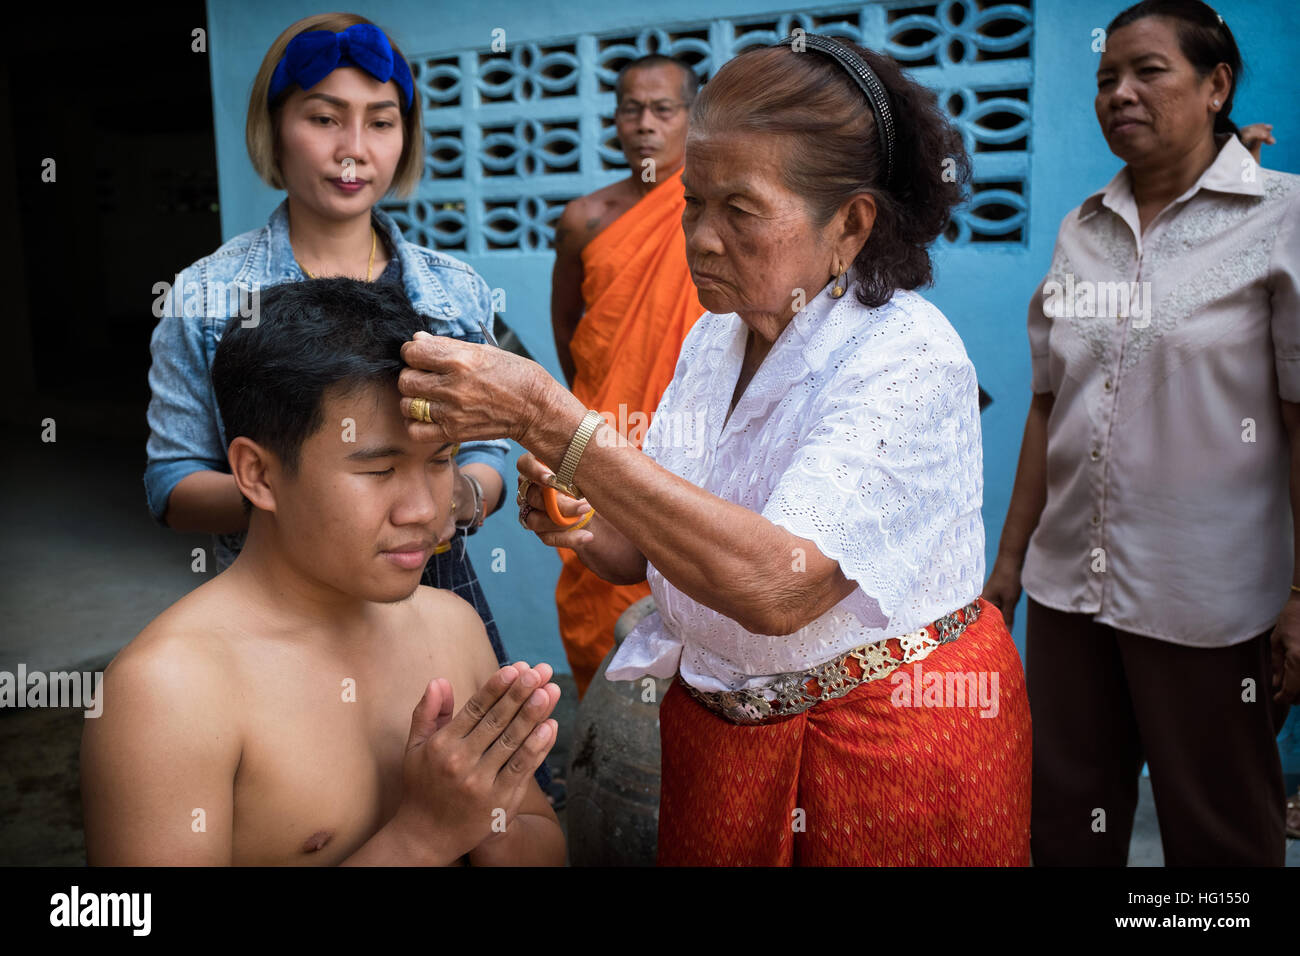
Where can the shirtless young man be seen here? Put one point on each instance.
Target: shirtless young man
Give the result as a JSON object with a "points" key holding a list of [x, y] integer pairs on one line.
{"points": [[654, 94], [265, 718]]}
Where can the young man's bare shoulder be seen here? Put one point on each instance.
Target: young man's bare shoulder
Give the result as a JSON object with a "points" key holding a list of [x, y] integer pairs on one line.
{"points": [[188, 646], [452, 621]]}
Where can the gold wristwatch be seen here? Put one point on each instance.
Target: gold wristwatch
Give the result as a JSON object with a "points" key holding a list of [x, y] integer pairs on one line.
{"points": [[569, 466]]}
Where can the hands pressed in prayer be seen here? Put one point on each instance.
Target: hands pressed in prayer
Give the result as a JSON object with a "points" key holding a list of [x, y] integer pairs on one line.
{"points": [[459, 771]]}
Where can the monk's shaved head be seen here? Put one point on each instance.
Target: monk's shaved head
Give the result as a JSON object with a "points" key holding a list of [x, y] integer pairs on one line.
{"points": [[690, 82]]}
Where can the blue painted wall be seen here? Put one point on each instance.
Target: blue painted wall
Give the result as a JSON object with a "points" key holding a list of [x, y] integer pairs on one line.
{"points": [[983, 289]]}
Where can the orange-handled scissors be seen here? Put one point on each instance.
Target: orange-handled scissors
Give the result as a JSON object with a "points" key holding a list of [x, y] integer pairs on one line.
{"points": [[552, 498]]}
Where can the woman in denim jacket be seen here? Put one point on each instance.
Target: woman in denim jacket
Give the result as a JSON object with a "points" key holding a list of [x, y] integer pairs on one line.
{"points": [[333, 121]]}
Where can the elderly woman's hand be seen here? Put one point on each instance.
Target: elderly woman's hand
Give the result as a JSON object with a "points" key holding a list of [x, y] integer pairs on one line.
{"points": [[533, 477], [474, 392]]}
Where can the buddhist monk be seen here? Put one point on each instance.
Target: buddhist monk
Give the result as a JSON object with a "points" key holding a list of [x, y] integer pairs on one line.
{"points": [[622, 301]]}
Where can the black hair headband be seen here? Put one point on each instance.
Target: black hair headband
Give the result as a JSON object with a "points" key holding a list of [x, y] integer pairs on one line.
{"points": [[865, 77]]}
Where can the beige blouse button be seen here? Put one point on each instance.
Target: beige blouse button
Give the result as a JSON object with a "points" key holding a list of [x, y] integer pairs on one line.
{"points": [[1095, 454], [1106, 385], [1096, 520]]}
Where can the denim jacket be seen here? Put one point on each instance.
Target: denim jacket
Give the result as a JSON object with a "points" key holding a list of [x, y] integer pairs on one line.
{"points": [[186, 433]]}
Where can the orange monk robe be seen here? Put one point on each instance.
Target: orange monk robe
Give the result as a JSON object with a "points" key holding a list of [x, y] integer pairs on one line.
{"points": [[640, 303]]}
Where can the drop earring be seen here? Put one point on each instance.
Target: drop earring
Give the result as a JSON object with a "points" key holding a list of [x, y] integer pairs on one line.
{"points": [[840, 284]]}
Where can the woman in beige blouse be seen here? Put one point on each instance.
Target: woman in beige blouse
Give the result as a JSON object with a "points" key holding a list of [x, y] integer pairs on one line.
{"points": [[1149, 520]]}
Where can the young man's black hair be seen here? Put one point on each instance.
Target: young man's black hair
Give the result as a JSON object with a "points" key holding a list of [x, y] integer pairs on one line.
{"points": [[270, 378]]}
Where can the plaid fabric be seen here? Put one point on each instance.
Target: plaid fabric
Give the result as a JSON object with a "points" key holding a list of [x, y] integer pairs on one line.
{"points": [[453, 572]]}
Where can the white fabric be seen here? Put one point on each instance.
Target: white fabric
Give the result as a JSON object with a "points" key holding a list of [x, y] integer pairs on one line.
{"points": [[860, 432]]}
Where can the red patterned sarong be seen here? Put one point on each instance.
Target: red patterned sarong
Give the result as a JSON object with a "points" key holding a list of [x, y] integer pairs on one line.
{"points": [[901, 771]]}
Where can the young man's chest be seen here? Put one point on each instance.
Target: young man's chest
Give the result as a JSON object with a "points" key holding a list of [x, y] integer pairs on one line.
{"points": [[321, 770]]}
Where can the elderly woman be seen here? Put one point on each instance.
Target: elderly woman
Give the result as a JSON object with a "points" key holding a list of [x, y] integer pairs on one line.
{"points": [[1149, 520], [844, 697]]}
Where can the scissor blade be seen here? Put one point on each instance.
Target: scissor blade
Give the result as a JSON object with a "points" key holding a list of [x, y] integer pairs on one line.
{"points": [[487, 334]]}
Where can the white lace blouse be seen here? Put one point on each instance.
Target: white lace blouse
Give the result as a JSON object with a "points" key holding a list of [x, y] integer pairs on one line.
{"points": [[860, 432]]}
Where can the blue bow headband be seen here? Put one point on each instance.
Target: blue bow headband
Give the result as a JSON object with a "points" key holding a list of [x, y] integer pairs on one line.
{"points": [[313, 55]]}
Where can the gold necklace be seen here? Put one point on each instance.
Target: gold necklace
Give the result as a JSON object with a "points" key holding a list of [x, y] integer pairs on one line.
{"points": [[370, 267]]}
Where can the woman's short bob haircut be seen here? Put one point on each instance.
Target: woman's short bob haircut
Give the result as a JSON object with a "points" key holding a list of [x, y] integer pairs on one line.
{"points": [[832, 151], [261, 131]]}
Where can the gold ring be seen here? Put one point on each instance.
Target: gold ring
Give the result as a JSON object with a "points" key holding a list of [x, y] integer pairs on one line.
{"points": [[524, 512], [420, 410], [521, 498]]}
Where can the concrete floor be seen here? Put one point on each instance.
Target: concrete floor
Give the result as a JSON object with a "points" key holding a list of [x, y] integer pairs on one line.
{"points": [[83, 568]]}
